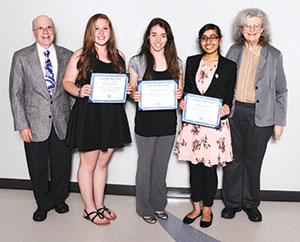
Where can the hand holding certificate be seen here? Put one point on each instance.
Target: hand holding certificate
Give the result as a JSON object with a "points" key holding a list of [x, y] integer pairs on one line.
{"points": [[202, 110], [157, 95], [108, 88]]}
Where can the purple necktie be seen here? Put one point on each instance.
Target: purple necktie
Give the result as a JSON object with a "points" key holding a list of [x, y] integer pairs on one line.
{"points": [[49, 76]]}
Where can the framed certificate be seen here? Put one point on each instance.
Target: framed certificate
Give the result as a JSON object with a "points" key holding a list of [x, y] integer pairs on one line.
{"points": [[202, 110], [108, 88], [157, 95]]}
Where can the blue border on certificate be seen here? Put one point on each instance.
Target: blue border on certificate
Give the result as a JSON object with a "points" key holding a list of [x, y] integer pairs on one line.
{"points": [[216, 124], [140, 89], [94, 75]]}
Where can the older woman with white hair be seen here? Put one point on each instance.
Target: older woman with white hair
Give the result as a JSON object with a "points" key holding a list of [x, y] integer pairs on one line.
{"points": [[259, 109]]}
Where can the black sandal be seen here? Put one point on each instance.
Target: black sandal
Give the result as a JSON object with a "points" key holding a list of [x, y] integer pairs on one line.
{"points": [[87, 217], [101, 211]]}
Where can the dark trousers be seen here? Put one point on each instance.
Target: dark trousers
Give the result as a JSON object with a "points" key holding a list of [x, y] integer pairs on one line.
{"points": [[241, 178], [49, 195], [204, 182], [152, 165]]}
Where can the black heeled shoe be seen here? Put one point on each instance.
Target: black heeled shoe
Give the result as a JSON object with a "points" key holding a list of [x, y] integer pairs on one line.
{"points": [[188, 220], [205, 224]]}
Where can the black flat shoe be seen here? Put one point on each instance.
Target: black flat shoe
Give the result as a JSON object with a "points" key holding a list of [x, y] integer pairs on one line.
{"points": [[188, 220], [254, 214], [162, 215], [149, 219], [62, 208], [205, 224], [39, 215]]}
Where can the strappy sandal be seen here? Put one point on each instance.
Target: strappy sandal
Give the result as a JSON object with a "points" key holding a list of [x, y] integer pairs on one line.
{"points": [[87, 216], [101, 211]]}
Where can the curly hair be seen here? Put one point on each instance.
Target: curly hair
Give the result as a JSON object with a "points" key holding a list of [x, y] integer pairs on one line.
{"points": [[240, 19], [89, 52]]}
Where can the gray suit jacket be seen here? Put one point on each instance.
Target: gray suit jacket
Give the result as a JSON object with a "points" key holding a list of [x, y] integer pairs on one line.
{"points": [[270, 85], [31, 104]]}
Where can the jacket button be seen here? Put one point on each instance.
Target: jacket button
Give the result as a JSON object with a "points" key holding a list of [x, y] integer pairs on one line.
{"points": [[256, 87], [257, 101], [50, 116], [51, 102]]}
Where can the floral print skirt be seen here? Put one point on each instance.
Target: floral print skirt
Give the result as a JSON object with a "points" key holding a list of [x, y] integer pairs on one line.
{"points": [[196, 143]]}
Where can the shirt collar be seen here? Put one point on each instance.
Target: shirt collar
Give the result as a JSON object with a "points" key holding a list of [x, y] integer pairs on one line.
{"points": [[41, 49]]}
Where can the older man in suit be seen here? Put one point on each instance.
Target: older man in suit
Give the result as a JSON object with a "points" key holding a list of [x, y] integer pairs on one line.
{"points": [[41, 108]]}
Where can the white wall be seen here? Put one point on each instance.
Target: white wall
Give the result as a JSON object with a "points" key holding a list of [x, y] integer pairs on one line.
{"points": [[281, 166]]}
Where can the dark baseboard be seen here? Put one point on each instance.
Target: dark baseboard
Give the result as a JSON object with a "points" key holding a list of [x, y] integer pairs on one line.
{"points": [[173, 192]]}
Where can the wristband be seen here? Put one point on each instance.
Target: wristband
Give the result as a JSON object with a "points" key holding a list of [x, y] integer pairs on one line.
{"points": [[78, 94]]}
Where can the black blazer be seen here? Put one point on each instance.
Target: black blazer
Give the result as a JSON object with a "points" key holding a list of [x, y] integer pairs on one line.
{"points": [[222, 84]]}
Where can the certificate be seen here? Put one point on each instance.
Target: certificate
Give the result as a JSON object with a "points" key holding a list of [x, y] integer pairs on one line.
{"points": [[202, 110], [108, 88], [157, 95]]}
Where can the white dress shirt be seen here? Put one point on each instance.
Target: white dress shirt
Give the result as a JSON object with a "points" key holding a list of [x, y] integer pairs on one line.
{"points": [[52, 57]]}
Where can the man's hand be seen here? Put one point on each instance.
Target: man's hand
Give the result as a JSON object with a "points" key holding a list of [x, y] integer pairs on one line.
{"points": [[26, 135]]}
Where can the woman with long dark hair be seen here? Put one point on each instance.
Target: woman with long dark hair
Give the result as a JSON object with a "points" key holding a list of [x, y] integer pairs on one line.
{"points": [[96, 129], [212, 75], [154, 130]]}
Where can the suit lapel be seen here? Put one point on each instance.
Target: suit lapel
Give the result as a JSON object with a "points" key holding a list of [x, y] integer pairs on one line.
{"points": [[60, 68], [239, 58], [59, 77], [261, 63], [35, 65], [217, 72], [194, 69]]}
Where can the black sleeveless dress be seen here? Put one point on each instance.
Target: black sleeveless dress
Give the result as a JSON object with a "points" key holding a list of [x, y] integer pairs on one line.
{"points": [[94, 126]]}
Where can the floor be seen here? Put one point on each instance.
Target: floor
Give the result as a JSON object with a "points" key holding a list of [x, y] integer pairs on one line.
{"points": [[281, 222]]}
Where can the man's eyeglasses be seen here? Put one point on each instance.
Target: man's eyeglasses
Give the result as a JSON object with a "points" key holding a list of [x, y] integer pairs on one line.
{"points": [[41, 29]]}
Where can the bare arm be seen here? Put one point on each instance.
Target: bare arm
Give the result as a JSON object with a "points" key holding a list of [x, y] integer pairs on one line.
{"points": [[135, 95], [179, 91], [129, 87], [70, 78], [182, 104]]}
